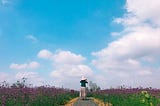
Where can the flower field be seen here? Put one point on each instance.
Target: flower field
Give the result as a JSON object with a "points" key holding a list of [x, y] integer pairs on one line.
{"points": [[129, 97], [37, 96], [21, 95]]}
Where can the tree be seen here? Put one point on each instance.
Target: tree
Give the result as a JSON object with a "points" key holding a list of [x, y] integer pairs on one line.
{"points": [[93, 86]]}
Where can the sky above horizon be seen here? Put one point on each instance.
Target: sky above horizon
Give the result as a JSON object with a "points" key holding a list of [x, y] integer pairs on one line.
{"points": [[110, 42]]}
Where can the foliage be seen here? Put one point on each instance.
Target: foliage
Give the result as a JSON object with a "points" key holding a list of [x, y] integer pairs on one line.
{"points": [[146, 98], [20, 95], [129, 97], [93, 87]]}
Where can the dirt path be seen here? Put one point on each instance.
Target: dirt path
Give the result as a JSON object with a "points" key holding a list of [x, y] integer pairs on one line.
{"points": [[87, 102], [90, 101]]}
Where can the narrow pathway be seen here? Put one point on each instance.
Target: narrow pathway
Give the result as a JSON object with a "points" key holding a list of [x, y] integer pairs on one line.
{"points": [[90, 101], [87, 102]]}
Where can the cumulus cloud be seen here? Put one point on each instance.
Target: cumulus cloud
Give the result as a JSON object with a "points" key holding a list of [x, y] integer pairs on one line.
{"points": [[69, 75], [66, 57], [3, 76], [135, 52], [32, 78], [144, 10], [68, 67], [142, 42], [141, 12], [45, 54], [71, 71], [145, 72], [31, 65]]}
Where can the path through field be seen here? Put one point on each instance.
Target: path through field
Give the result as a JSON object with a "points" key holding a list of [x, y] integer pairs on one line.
{"points": [[90, 101], [87, 102]]}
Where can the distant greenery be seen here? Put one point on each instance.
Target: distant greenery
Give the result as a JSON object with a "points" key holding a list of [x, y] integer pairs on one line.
{"points": [[129, 97]]}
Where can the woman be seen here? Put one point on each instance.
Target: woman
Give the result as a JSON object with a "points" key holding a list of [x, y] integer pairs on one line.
{"points": [[83, 88]]}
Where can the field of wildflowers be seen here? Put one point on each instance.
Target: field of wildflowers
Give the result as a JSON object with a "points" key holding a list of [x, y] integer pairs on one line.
{"points": [[129, 97], [21, 95]]}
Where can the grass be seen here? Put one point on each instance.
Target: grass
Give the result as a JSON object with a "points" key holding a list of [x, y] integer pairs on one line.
{"points": [[127, 99]]}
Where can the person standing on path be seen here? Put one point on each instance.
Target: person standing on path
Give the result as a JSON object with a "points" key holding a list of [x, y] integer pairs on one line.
{"points": [[83, 88]]}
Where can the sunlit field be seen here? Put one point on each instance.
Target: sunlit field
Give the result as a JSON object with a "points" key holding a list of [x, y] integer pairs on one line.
{"points": [[129, 97], [19, 94]]}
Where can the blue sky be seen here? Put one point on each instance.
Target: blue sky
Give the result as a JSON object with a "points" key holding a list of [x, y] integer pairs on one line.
{"points": [[44, 39], [68, 25]]}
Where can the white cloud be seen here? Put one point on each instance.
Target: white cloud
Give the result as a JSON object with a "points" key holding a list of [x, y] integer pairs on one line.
{"points": [[142, 42], [32, 38], [8, 77], [31, 65], [69, 75], [141, 12], [131, 58], [128, 20], [144, 72], [145, 10], [32, 78], [68, 67], [114, 34], [66, 57], [18, 66], [45, 54], [3, 76], [71, 71]]}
